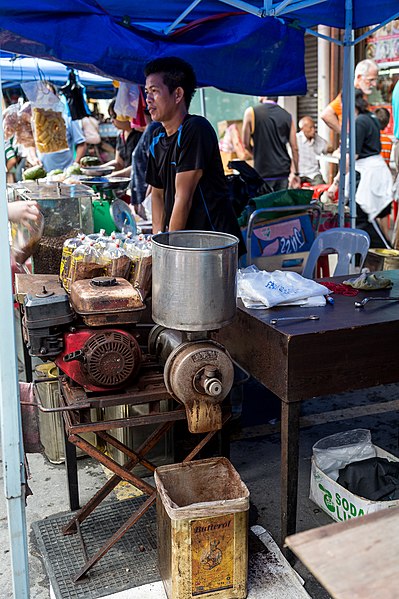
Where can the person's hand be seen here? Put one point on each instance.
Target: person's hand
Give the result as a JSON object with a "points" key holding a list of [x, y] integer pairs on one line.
{"points": [[294, 181], [23, 210], [332, 191]]}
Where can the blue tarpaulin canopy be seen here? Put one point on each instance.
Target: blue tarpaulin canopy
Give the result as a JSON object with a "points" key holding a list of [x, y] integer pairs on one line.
{"points": [[111, 41], [15, 69]]}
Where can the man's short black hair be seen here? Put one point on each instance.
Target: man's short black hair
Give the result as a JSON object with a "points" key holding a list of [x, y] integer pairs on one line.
{"points": [[176, 73], [383, 116]]}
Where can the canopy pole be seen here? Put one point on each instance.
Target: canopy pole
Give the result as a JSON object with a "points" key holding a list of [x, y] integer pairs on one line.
{"points": [[352, 139], [11, 428], [347, 103]]}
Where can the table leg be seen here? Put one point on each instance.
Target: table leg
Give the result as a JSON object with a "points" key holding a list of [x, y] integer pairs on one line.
{"points": [[71, 464], [289, 466]]}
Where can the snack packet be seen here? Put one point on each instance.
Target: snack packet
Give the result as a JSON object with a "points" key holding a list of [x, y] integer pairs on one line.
{"points": [[49, 126]]}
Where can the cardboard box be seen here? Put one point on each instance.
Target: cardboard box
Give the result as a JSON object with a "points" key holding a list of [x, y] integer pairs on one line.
{"points": [[339, 503]]}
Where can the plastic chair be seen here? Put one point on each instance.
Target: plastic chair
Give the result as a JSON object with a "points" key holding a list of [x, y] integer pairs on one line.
{"points": [[344, 242], [286, 261]]}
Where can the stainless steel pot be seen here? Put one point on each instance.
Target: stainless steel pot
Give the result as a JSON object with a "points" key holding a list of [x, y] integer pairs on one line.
{"points": [[194, 279]]}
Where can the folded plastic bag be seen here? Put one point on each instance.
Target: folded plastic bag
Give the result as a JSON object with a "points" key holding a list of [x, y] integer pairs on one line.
{"points": [[262, 289], [369, 282], [336, 451]]}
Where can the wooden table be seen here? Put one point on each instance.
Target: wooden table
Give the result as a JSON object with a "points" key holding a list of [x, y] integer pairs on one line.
{"points": [[345, 349], [354, 559]]}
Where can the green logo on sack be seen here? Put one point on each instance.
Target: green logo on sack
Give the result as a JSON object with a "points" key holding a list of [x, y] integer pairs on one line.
{"points": [[328, 500], [345, 510]]}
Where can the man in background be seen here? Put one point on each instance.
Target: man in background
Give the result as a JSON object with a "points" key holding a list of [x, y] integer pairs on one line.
{"points": [[310, 146], [267, 130], [366, 77]]}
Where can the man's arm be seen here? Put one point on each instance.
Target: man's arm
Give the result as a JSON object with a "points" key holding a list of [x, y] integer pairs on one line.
{"points": [[186, 184], [330, 118], [247, 129], [294, 149], [158, 210], [294, 179], [80, 151]]}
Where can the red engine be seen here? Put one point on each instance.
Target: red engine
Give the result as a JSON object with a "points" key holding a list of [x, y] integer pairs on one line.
{"points": [[100, 359]]}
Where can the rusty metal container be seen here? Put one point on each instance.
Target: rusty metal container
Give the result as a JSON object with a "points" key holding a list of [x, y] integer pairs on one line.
{"points": [[202, 519], [382, 259], [51, 424], [106, 300], [194, 279]]}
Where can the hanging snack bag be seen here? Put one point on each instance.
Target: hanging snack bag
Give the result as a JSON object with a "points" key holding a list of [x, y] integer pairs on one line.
{"points": [[127, 99], [10, 121], [24, 133], [49, 126]]}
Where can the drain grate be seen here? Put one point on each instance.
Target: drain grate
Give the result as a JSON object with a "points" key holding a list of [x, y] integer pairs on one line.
{"points": [[132, 562]]}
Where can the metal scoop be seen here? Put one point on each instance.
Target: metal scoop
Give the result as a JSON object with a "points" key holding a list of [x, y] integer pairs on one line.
{"points": [[283, 318], [372, 299]]}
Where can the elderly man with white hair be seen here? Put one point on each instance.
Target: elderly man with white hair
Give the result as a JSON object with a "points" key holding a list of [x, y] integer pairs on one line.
{"points": [[310, 146], [366, 77]]}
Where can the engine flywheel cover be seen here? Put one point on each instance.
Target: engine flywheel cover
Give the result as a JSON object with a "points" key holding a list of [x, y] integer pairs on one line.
{"points": [[111, 358], [188, 361]]}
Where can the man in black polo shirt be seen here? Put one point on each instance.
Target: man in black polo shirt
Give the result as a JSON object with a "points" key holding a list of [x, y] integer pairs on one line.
{"points": [[267, 129], [185, 170]]}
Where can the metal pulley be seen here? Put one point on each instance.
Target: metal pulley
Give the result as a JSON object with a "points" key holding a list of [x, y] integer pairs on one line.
{"points": [[198, 372], [199, 369], [200, 375]]}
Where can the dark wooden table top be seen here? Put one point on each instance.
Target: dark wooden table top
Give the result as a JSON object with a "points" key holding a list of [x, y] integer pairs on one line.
{"points": [[347, 348]]}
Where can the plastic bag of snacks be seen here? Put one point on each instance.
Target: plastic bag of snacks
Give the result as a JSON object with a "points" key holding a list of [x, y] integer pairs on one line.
{"points": [[127, 99], [49, 126], [24, 132], [140, 253], [85, 264], [69, 247], [10, 121], [116, 262], [25, 237]]}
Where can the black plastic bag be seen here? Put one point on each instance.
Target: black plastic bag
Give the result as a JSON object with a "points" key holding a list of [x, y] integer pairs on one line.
{"points": [[74, 93], [376, 479]]}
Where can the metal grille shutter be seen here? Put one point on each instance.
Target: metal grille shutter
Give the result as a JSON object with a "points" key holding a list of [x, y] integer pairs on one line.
{"points": [[307, 105]]}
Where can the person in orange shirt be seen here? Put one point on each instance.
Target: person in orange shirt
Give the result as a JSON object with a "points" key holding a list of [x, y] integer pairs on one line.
{"points": [[383, 116], [366, 77]]}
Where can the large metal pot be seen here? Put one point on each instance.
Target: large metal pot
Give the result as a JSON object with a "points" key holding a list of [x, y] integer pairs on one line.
{"points": [[194, 279]]}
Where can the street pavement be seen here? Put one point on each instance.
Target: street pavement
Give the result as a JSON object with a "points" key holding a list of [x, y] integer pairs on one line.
{"points": [[255, 452]]}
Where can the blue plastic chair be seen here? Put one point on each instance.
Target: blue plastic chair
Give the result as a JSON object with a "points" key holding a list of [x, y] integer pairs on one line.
{"points": [[345, 242]]}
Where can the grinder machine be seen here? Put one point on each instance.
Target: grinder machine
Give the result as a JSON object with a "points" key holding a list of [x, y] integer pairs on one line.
{"points": [[93, 337]]}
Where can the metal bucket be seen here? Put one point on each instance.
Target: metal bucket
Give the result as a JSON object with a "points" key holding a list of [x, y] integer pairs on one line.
{"points": [[194, 279]]}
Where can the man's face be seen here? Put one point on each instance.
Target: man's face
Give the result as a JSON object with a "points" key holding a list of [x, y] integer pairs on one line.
{"points": [[368, 81], [161, 103], [309, 129]]}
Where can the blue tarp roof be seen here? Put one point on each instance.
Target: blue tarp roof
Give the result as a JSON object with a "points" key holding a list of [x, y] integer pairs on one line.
{"points": [[234, 52], [16, 69]]}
